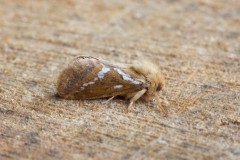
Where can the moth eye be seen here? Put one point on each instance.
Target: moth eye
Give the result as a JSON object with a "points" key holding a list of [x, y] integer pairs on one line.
{"points": [[158, 87]]}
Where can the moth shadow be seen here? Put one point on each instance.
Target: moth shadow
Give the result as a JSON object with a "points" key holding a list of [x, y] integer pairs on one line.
{"points": [[55, 97], [121, 104], [118, 103]]}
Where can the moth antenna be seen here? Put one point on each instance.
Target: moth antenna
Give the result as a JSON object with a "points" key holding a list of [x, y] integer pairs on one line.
{"points": [[162, 107]]}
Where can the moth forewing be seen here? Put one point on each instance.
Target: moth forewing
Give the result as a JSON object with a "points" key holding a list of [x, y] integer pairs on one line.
{"points": [[90, 78]]}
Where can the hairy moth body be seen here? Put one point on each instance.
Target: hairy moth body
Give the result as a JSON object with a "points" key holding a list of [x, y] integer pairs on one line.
{"points": [[90, 78]]}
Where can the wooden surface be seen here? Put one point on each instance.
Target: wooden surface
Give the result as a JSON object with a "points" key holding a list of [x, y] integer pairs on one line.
{"points": [[196, 43]]}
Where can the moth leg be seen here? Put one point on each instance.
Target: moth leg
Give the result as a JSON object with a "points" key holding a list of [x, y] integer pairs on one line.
{"points": [[108, 100], [136, 97], [130, 95]]}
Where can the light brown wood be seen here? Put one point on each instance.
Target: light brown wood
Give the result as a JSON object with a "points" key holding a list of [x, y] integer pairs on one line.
{"points": [[195, 43]]}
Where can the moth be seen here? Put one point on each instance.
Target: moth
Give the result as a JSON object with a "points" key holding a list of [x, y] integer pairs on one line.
{"points": [[91, 78]]}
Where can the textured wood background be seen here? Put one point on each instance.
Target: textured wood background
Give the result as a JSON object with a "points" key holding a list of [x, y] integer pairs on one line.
{"points": [[196, 43]]}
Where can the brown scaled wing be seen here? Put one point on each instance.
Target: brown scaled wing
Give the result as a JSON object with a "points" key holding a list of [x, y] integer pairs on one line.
{"points": [[84, 78]]}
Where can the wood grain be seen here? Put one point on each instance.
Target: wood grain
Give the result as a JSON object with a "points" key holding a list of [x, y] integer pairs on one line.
{"points": [[195, 43]]}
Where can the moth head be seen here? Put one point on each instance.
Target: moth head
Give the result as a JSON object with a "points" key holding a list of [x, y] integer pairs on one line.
{"points": [[153, 74], [156, 78], [156, 83]]}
